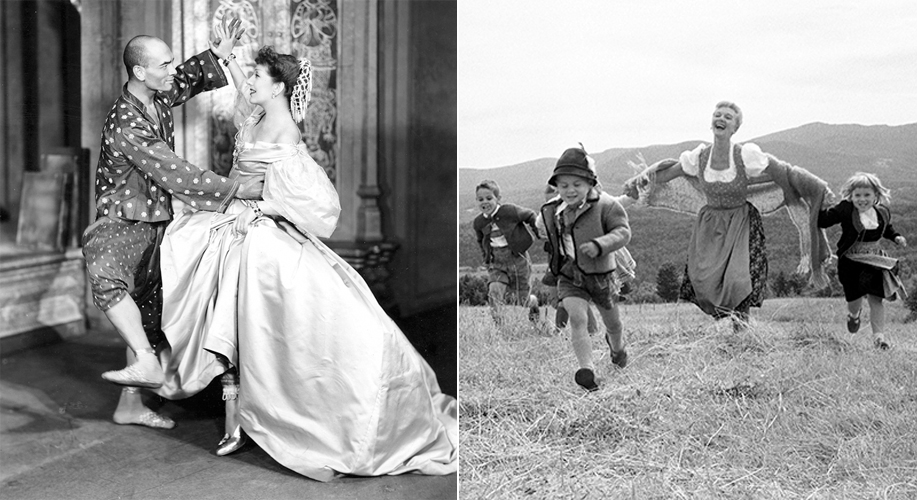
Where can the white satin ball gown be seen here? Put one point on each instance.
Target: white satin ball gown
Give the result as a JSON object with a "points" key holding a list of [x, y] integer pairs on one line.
{"points": [[329, 384]]}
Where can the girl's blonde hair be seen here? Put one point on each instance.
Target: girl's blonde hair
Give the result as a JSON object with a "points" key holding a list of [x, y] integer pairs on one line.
{"points": [[866, 180]]}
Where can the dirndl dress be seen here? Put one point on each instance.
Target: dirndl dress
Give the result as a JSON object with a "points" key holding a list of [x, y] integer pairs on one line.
{"points": [[727, 263]]}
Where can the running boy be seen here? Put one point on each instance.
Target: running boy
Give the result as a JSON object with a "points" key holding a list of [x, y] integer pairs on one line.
{"points": [[585, 227], [550, 280], [504, 239]]}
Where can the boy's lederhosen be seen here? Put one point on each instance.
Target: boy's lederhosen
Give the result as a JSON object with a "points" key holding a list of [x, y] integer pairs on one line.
{"points": [[122, 258], [572, 282], [600, 288], [513, 270], [505, 241]]}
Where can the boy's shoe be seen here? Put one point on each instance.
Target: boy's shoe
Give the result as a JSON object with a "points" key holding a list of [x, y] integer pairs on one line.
{"points": [[534, 311], [586, 379], [534, 314], [853, 324], [881, 344], [619, 358]]}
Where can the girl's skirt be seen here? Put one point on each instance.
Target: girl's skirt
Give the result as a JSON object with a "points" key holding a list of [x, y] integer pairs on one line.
{"points": [[867, 270]]}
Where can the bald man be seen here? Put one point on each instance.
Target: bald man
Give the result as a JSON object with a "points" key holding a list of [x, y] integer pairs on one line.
{"points": [[137, 176]]}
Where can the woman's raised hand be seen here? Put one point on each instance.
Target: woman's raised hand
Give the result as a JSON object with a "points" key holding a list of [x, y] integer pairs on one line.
{"points": [[630, 188]]}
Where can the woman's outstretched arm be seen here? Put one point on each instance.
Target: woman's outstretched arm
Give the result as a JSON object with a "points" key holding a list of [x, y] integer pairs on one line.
{"points": [[658, 173]]}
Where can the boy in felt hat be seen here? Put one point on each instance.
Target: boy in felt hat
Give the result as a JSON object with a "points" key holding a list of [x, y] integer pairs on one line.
{"points": [[550, 279], [504, 239], [585, 227]]}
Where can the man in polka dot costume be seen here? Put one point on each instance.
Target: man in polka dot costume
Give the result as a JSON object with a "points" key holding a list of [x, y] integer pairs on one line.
{"points": [[137, 176]]}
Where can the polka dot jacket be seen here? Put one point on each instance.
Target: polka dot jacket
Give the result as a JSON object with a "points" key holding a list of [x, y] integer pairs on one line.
{"points": [[138, 170]]}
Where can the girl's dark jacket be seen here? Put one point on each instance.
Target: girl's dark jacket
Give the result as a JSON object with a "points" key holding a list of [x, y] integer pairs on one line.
{"points": [[852, 230]]}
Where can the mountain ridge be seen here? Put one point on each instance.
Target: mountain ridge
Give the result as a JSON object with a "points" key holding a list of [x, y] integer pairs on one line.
{"points": [[832, 152]]}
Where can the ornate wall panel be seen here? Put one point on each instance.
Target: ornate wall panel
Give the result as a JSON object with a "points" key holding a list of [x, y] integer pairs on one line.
{"points": [[341, 128], [304, 28]]}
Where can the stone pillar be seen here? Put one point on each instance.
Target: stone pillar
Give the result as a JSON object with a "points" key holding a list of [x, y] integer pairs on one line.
{"points": [[358, 121]]}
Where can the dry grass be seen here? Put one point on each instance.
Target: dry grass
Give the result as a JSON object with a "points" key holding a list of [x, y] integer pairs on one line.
{"points": [[794, 407]]}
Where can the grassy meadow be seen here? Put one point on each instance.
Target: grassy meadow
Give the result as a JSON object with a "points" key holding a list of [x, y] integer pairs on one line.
{"points": [[793, 407]]}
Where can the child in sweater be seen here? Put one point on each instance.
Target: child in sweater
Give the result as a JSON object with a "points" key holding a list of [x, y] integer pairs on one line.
{"points": [[863, 268]]}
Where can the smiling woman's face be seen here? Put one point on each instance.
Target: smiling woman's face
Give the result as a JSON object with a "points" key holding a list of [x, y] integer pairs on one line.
{"points": [[260, 85], [725, 121]]}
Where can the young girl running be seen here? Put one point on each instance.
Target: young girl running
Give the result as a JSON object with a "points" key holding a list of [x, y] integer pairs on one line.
{"points": [[863, 268]]}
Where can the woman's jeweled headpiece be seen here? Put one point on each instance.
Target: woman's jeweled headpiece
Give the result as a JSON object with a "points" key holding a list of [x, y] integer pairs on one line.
{"points": [[302, 91]]}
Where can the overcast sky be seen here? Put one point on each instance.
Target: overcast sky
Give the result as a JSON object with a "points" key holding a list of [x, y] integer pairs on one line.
{"points": [[538, 76]]}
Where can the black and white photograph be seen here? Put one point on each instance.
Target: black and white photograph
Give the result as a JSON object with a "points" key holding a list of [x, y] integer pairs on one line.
{"points": [[443, 249], [686, 255], [228, 257]]}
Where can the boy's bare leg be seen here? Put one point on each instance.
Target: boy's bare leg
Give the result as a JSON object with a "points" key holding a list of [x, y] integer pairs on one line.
{"points": [[614, 334], [591, 324], [145, 371], [496, 292], [582, 344], [561, 317], [613, 329]]}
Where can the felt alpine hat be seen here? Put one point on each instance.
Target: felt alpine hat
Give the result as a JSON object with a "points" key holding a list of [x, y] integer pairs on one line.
{"points": [[576, 162]]}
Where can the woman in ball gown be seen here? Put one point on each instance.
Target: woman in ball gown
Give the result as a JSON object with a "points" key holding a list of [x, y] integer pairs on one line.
{"points": [[313, 370]]}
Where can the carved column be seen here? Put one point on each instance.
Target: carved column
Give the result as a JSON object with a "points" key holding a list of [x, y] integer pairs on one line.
{"points": [[358, 111]]}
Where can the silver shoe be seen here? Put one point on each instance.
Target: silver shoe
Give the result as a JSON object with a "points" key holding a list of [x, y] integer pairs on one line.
{"points": [[231, 443]]}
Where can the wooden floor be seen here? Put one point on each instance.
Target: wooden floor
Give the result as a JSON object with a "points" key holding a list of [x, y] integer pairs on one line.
{"points": [[58, 440]]}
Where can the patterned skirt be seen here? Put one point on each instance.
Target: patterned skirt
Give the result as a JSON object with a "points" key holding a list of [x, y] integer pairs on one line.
{"points": [[867, 270], [727, 262]]}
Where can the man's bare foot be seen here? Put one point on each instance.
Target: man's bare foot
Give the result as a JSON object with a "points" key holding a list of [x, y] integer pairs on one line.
{"points": [[131, 410], [148, 418], [146, 372]]}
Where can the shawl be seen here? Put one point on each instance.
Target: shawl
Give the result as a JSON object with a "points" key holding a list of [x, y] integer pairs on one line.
{"points": [[781, 186]]}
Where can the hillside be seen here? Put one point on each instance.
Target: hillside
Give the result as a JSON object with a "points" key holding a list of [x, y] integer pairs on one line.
{"points": [[833, 152]]}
